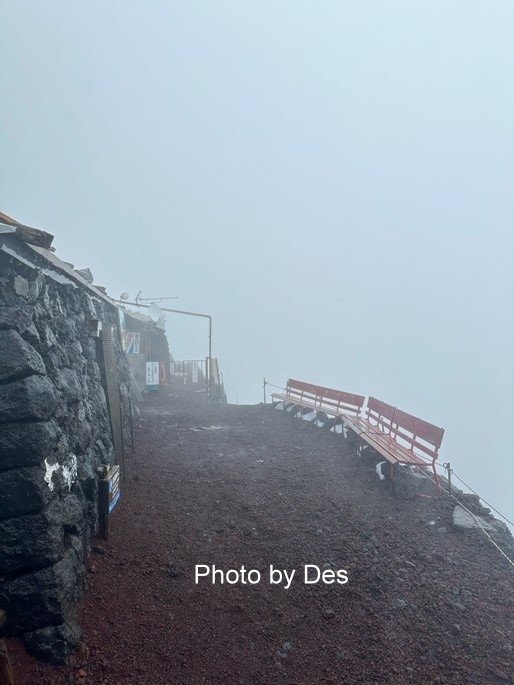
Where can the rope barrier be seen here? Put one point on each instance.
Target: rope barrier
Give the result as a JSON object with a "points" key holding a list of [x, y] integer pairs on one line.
{"points": [[275, 386], [447, 469], [476, 519], [483, 500]]}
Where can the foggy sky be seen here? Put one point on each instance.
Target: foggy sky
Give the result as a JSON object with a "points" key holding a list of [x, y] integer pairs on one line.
{"points": [[331, 180]]}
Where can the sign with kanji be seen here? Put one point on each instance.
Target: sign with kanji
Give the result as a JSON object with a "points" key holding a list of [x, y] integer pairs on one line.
{"points": [[152, 374]]}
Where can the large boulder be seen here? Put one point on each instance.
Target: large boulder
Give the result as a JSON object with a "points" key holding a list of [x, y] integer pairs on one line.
{"points": [[24, 491], [45, 597], [369, 456], [407, 482], [466, 522], [30, 398], [33, 541], [79, 427], [20, 286], [17, 357], [308, 415], [37, 540], [18, 319], [27, 444], [73, 507], [68, 383], [473, 503], [87, 469], [335, 425], [53, 643]]}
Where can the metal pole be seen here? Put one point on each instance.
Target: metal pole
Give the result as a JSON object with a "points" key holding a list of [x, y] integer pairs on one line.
{"points": [[210, 356], [182, 311], [264, 388], [449, 471], [164, 309]]}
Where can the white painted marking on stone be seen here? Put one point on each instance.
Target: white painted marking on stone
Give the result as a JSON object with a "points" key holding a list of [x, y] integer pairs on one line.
{"points": [[68, 472], [50, 469]]}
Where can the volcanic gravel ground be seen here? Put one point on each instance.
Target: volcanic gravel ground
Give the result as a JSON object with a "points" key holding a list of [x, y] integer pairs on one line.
{"points": [[240, 485]]}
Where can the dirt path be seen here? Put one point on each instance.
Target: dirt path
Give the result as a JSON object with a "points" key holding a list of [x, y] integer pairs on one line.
{"points": [[250, 486]]}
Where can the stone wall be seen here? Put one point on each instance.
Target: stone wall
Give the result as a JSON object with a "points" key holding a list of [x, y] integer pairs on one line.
{"points": [[54, 433]]}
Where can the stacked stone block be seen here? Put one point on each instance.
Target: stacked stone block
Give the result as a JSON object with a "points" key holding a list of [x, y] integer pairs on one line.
{"points": [[54, 434]]}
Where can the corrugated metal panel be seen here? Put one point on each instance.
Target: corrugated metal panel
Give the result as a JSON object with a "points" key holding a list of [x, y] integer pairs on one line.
{"points": [[113, 391]]}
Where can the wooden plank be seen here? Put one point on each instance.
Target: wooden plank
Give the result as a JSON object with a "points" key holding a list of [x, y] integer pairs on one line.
{"points": [[415, 444], [391, 451], [292, 392], [329, 393], [422, 429], [301, 385], [381, 413], [356, 424], [337, 408], [281, 396], [381, 408], [311, 403], [383, 444], [345, 397]]}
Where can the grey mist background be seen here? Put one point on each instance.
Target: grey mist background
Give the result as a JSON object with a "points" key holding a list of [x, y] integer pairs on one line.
{"points": [[332, 180]]}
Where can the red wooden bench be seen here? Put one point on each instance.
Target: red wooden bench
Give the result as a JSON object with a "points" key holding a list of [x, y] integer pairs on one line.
{"points": [[399, 437], [318, 398]]}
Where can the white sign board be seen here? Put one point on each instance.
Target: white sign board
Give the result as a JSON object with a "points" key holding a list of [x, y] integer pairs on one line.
{"points": [[152, 373]]}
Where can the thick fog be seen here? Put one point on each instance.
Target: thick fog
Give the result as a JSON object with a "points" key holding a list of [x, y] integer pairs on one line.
{"points": [[332, 181]]}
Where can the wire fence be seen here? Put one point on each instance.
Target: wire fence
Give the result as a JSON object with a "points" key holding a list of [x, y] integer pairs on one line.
{"points": [[483, 500], [449, 494], [272, 385]]}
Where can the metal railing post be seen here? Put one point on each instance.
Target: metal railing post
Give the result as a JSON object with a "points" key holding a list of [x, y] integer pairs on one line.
{"points": [[449, 475], [210, 357]]}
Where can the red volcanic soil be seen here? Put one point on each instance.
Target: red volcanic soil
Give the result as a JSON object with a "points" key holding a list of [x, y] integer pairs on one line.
{"points": [[236, 485]]}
